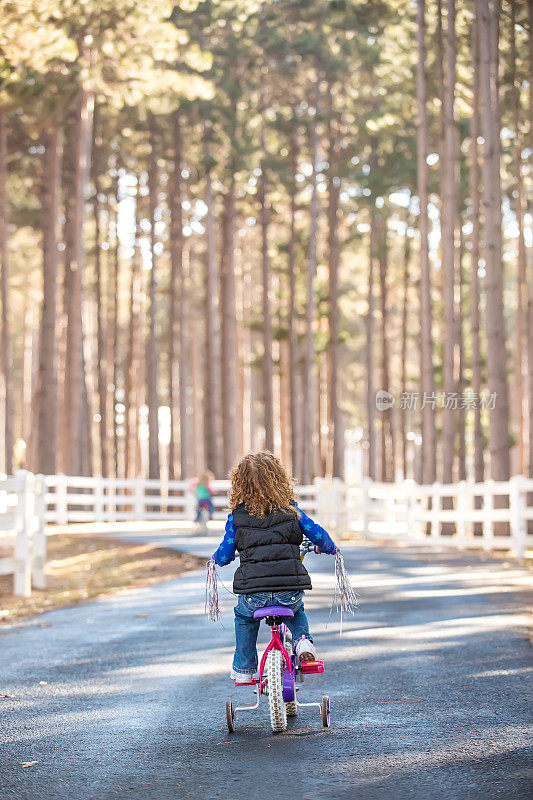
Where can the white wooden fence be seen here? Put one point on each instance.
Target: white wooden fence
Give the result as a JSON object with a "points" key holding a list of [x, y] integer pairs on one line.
{"points": [[488, 516], [485, 516], [96, 499], [22, 534]]}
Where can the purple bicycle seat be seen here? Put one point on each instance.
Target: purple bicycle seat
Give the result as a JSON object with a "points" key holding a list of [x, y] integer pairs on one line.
{"points": [[273, 611]]}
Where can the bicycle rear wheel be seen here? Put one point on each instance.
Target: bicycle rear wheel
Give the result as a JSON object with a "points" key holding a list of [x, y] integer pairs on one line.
{"points": [[203, 520], [292, 709], [278, 710]]}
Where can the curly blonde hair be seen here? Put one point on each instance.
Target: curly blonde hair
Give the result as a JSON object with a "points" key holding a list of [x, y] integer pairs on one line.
{"points": [[262, 483]]}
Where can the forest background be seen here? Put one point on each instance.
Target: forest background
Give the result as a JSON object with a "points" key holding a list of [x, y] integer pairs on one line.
{"points": [[298, 226]]}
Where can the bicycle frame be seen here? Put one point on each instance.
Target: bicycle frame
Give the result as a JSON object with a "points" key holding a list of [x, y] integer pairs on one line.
{"points": [[261, 683], [274, 644]]}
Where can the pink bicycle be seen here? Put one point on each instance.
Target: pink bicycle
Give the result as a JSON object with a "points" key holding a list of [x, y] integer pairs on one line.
{"points": [[279, 673]]}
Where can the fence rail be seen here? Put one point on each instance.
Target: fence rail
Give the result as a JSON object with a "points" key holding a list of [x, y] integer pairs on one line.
{"points": [[486, 515], [95, 499], [490, 515], [22, 521]]}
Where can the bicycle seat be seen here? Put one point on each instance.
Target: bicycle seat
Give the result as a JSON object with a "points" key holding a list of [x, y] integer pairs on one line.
{"points": [[273, 611]]}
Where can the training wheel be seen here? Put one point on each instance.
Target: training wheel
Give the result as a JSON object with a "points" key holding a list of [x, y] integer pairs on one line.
{"points": [[230, 716], [326, 711]]}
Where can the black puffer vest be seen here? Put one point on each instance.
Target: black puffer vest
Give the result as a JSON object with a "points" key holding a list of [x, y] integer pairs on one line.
{"points": [[269, 549]]}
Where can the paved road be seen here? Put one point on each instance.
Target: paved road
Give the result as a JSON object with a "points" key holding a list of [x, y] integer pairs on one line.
{"points": [[430, 687]]}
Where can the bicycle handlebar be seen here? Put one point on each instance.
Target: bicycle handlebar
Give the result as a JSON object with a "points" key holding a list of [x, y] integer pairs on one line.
{"points": [[308, 547]]}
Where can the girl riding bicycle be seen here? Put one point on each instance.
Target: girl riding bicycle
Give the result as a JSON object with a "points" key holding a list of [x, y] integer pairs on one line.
{"points": [[204, 495], [266, 528]]}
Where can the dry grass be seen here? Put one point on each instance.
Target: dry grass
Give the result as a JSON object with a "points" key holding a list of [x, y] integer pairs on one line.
{"points": [[80, 567]]}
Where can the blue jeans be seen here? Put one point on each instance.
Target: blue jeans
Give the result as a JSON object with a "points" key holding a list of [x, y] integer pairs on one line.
{"points": [[246, 627]]}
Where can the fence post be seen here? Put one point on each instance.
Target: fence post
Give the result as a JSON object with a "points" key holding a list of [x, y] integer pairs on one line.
{"points": [[39, 533], [517, 505], [488, 522], [319, 505], [139, 504], [61, 500], [409, 508], [99, 515], [435, 511], [190, 503], [338, 497], [365, 501], [462, 507], [22, 575], [322, 491], [111, 506]]}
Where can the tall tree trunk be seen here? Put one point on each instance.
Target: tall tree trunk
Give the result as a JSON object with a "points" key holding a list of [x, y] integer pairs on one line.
{"points": [[78, 156], [295, 416], [176, 288], [461, 379], [441, 82], [479, 446], [152, 393], [438, 320], [448, 219], [283, 381], [426, 366], [47, 400], [495, 323], [198, 388], [251, 355], [133, 359], [322, 406], [268, 367], [529, 282], [521, 289], [102, 378], [231, 406], [370, 325], [188, 408], [403, 352], [114, 333], [530, 390], [334, 419], [213, 450], [388, 460], [309, 431], [28, 389], [5, 341]]}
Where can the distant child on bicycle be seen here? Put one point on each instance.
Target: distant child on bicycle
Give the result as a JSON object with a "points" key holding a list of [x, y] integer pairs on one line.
{"points": [[204, 495], [266, 527]]}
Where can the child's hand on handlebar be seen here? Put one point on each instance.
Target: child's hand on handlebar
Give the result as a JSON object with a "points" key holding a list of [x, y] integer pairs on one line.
{"points": [[308, 547]]}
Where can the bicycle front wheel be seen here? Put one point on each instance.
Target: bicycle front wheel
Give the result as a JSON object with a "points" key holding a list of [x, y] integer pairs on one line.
{"points": [[278, 711]]}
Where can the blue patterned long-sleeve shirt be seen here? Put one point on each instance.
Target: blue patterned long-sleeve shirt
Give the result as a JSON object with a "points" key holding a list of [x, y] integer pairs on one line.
{"points": [[225, 552]]}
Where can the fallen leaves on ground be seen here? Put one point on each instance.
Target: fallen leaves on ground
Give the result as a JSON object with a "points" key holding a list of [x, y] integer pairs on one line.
{"points": [[82, 566]]}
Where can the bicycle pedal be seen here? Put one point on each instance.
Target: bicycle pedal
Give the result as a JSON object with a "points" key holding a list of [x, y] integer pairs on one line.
{"points": [[311, 667]]}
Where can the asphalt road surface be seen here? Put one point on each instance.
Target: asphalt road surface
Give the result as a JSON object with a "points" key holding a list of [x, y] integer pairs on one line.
{"points": [[430, 689]]}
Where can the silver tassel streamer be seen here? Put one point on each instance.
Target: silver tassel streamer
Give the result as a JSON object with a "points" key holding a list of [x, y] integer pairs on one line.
{"points": [[211, 592], [346, 598]]}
